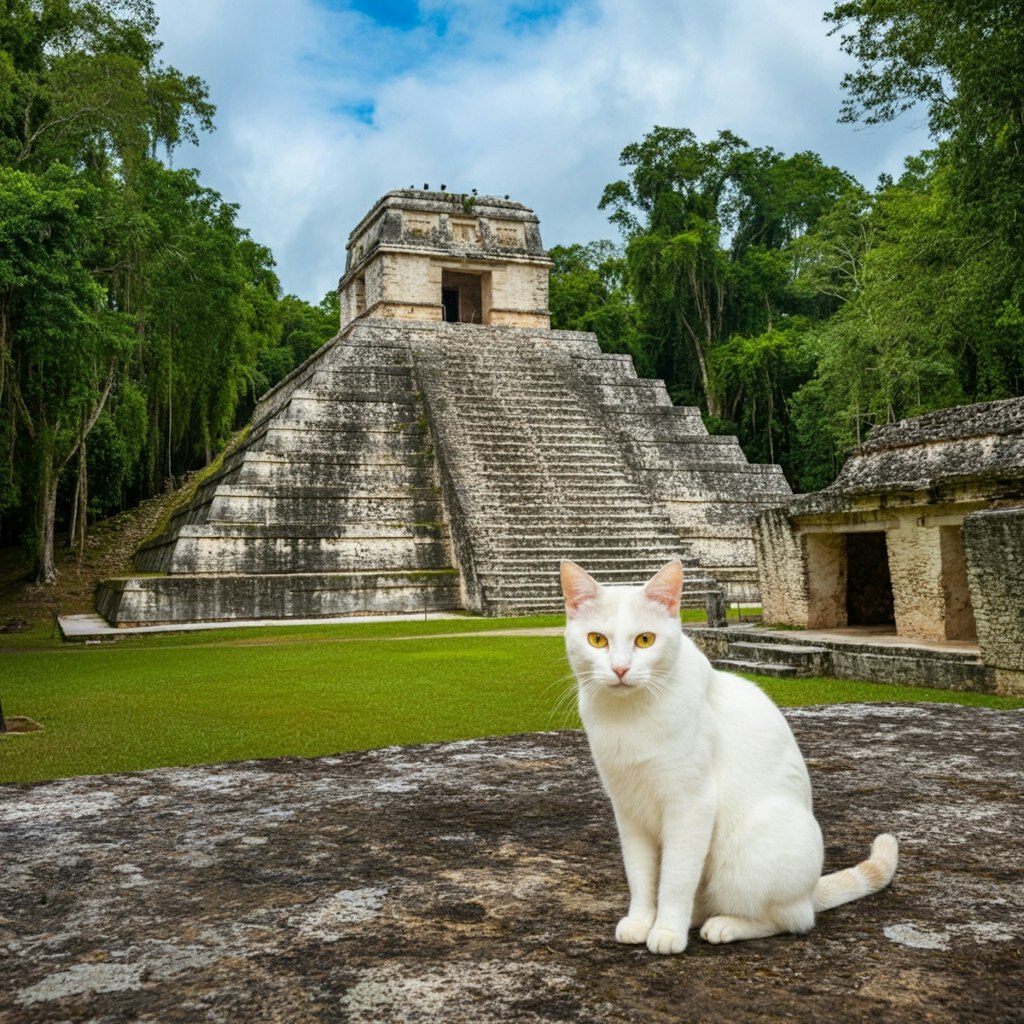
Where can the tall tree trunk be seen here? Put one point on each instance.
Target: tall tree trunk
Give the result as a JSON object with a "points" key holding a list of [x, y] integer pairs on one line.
{"points": [[46, 569], [51, 463], [82, 504]]}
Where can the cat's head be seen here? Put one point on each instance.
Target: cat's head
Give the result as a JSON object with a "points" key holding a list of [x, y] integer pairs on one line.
{"points": [[622, 640]]}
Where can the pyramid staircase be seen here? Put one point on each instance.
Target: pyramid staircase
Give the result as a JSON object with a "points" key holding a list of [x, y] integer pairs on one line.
{"points": [[533, 474]]}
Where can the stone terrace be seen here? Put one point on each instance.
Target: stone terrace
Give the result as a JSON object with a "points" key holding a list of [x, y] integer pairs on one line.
{"points": [[480, 881], [413, 465]]}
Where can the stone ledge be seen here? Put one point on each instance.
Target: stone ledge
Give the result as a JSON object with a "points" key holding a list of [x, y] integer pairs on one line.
{"points": [[479, 882]]}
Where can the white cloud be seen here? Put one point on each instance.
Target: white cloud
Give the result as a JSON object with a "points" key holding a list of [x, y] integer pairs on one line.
{"points": [[540, 113]]}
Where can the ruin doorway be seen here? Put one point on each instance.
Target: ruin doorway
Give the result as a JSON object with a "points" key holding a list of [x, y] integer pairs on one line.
{"points": [[462, 296], [956, 593], [450, 305], [869, 600]]}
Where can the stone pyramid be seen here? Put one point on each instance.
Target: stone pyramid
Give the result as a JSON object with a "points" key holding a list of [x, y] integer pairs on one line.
{"points": [[447, 449]]}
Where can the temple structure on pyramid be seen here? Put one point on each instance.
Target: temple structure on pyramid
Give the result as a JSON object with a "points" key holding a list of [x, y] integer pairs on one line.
{"points": [[447, 448]]}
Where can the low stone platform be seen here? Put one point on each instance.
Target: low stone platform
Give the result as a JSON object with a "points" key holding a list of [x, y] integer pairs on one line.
{"points": [[877, 656], [480, 881]]}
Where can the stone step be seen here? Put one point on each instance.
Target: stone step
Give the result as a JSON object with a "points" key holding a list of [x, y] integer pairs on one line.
{"points": [[555, 544], [283, 473], [803, 659], [517, 583], [310, 435], [640, 566], [571, 506], [356, 531], [779, 652], [549, 544], [371, 411], [613, 491], [757, 668], [274, 555], [488, 421], [314, 506], [163, 599]]}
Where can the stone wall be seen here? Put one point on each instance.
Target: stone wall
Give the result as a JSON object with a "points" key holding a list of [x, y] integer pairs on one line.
{"points": [[994, 549], [781, 569]]}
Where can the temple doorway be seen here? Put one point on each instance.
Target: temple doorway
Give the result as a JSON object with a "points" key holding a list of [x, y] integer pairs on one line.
{"points": [[869, 600], [462, 297], [450, 305]]}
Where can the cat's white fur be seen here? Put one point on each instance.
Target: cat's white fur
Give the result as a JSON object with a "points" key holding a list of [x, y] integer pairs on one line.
{"points": [[710, 791]]}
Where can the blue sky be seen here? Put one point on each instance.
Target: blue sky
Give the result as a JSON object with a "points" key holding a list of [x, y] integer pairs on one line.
{"points": [[324, 105]]}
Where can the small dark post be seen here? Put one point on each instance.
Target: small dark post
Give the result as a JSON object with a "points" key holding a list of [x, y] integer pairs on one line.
{"points": [[715, 604], [3, 724]]}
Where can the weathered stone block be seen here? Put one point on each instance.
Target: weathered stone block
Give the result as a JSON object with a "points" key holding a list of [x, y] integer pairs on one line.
{"points": [[994, 549]]}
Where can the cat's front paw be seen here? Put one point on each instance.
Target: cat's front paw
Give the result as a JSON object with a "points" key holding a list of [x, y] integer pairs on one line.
{"points": [[631, 931], [721, 929], [666, 940]]}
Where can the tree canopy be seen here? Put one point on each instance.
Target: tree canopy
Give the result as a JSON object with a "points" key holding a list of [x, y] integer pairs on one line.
{"points": [[139, 321], [797, 308], [136, 317]]}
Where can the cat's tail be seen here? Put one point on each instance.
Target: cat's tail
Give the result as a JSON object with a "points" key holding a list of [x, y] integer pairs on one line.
{"points": [[861, 880]]}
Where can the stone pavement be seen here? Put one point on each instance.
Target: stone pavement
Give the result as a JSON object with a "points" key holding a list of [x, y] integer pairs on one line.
{"points": [[480, 881]]}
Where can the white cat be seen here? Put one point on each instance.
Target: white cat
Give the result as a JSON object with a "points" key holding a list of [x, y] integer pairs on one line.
{"points": [[710, 791]]}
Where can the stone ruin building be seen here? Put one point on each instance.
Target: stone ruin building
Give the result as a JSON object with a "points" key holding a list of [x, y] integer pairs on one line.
{"points": [[447, 448], [921, 536]]}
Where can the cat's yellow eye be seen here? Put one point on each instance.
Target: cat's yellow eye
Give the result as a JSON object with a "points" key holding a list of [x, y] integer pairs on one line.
{"points": [[644, 639], [597, 640]]}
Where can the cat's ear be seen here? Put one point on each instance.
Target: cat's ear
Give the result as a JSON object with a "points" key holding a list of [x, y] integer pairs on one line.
{"points": [[578, 587], [666, 586]]}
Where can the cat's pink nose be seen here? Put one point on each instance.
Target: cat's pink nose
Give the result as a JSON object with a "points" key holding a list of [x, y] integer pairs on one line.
{"points": [[620, 671]]}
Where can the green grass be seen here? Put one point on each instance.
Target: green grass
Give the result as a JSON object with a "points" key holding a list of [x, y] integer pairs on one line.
{"points": [[42, 635], [123, 708], [228, 695], [794, 693]]}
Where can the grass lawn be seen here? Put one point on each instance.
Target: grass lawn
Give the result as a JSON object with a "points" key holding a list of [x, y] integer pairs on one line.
{"points": [[219, 696]]}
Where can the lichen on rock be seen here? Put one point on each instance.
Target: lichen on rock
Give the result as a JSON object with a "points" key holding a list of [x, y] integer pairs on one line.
{"points": [[480, 881]]}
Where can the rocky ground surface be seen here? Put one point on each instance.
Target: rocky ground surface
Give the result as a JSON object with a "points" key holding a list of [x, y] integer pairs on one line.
{"points": [[480, 881]]}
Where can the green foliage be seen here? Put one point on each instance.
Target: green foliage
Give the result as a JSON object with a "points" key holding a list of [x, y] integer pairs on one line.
{"points": [[304, 329], [138, 321], [80, 83], [962, 60], [116, 444], [930, 318], [709, 227], [60, 343], [798, 309], [587, 293], [760, 373]]}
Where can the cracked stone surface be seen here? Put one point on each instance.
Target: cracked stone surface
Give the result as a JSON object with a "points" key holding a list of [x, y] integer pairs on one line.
{"points": [[480, 881]]}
